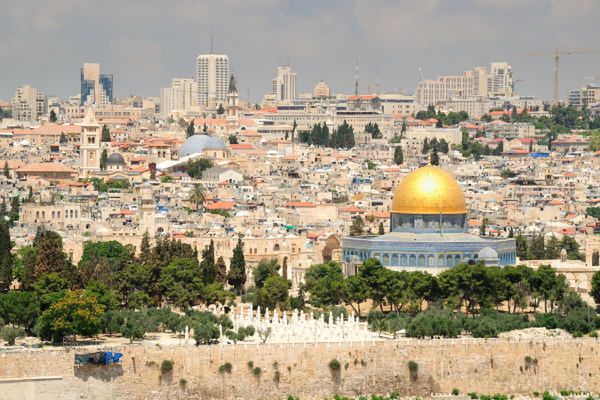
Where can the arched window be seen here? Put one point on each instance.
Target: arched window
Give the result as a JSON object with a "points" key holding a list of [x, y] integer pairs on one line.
{"points": [[449, 261], [386, 259], [440, 261], [431, 261], [412, 261], [53, 214], [421, 260], [403, 260], [394, 259]]}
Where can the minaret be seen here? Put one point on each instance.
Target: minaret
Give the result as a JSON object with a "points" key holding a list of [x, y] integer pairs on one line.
{"points": [[90, 145], [232, 106]]}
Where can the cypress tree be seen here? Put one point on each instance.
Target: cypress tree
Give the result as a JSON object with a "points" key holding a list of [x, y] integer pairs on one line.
{"points": [[190, 130], [105, 137], [50, 256], [6, 172], [207, 266], [6, 260], [398, 155], [221, 269], [237, 268], [145, 248], [103, 160]]}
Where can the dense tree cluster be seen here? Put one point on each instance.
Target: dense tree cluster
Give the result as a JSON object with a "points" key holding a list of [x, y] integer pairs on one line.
{"points": [[463, 298], [196, 167], [373, 129], [537, 248], [57, 298], [341, 137], [452, 118]]}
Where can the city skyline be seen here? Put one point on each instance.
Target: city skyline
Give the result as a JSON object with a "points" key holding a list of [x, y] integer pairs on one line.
{"points": [[320, 41]]}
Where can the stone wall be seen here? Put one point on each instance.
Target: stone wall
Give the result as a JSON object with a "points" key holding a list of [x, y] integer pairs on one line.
{"points": [[492, 366]]}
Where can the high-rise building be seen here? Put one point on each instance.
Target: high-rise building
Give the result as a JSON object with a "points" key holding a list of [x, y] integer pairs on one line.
{"points": [[500, 81], [585, 97], [29, 104], [96, 88], [182, 95], [478, 82], [212, 78], [284, 85]]}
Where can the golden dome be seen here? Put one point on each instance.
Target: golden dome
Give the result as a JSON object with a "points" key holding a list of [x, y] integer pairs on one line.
{"points": [[429, 190]]}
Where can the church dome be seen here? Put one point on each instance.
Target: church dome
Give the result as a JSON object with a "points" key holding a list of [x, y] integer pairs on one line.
{"points": [[197, 144], [487, 253], [429, 190], [115, 159]]}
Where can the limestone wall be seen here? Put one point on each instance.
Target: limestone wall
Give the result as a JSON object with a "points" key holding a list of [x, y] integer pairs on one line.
{"points": [[482, 366]]}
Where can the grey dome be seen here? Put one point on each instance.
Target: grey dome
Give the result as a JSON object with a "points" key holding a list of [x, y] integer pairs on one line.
{"points": [[487, 253], [115, 159], [197, 144]]}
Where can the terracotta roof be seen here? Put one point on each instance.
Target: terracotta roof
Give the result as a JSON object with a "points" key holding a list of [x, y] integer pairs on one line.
{"points": [[221, 205], [351, 209], [380, 214], [242, 146], [45, 167]]}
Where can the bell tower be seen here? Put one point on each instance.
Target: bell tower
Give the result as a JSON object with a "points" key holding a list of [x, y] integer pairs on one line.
{"points": [[232, 106], [90, 145]]}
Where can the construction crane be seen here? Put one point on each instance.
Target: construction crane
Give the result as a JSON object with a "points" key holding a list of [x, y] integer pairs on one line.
{"points": [[557, 55]]}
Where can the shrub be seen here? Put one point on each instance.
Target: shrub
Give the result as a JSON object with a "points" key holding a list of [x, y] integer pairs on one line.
{"points": [[225, 368], [183, 383], [166, 366], [257, 371], [548, 396], [10, 334], [473, 395], [413, 369], [277, 377], [250, 365], [334, 365], [455, 392]]}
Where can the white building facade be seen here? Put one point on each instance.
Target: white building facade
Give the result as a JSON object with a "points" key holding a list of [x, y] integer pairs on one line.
{"points": [[284, 85], [212, 78]]}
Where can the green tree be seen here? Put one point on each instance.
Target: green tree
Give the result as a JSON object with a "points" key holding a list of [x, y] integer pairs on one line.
{"points": [[595, 258], [50, 255], [181, 282], [208, 270], [572, 247], [233, 139], [398, 155], [105, 136], [196, 167], [20, 309], [355, 291], [6, 258], [220, 110], [6, 171], [377, 279], [264, 270], [595, 291], [52, 117], [145, 247], [381, 229], [357, 227], [467, 285], [274, 293], [197, 196], [236, 276], [325, 284], [425, 149], [190, 130], [103, 261], [434, 157], [133, 327], [537, 247], [522, 247], [103, 160], [77, 313], [552, 248], [483, 227], [221, 269]]}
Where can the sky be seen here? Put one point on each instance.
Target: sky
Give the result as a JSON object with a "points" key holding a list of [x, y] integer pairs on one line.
{"points": [[146, 43]]}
